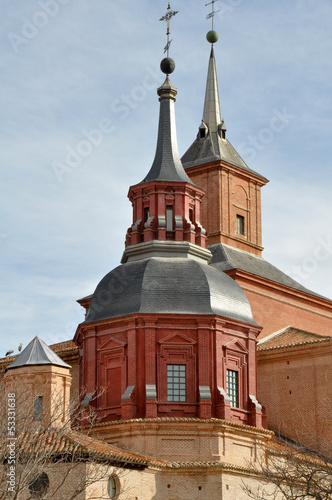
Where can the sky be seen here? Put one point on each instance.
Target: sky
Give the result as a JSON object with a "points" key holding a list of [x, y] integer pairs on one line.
{"points": [[79, 125]]}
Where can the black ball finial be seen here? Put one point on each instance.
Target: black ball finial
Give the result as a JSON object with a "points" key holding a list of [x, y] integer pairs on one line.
{"points": [[167, 65]]}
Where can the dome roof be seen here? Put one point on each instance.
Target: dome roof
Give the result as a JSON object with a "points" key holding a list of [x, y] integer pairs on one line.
{"points": [[168, 286]]}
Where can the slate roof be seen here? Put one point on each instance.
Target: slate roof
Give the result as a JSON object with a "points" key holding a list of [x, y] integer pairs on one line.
{"points": [[64, 349], [213, 146], [226, 258], [291, 337], [168, 286], [167, 165], [37, 353]]}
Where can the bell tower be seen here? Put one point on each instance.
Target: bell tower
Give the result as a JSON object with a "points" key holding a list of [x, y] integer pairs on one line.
{"points": [[231, 210]]}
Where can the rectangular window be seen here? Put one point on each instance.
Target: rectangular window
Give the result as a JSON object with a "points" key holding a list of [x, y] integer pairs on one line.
{"points": [[191, 215], [240, 224], [38, 408], [233, 387], [169, 218], [176, 382], [146, 214]]}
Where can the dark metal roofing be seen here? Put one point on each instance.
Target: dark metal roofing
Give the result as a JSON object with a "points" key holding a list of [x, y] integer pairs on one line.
{"points": [[167, 165], [213, 146], [225, 258], [37, 353], [171, 286]]}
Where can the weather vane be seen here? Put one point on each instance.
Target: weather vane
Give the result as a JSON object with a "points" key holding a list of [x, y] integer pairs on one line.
{"points": [[167, 17], [213, 13]]}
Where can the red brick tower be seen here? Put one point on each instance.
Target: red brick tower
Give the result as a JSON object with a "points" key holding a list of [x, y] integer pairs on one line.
{"points": [[167, 335], [231, 214]]}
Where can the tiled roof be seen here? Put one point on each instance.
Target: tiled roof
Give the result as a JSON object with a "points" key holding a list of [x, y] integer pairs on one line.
{"points": [[67, 345], [59, 442], [209, 464], [184, 420], [290, 337], [281, 445]]}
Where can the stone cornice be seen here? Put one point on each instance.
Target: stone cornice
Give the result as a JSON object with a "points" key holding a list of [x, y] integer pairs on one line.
{"points": [[166, 249]]}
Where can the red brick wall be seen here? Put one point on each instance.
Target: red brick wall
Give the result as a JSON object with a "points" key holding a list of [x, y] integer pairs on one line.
{"points": [[295, 385], [134, 351], [229, 192], [275, 307]]}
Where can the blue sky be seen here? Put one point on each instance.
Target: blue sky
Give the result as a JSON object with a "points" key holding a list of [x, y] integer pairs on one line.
{"points": [[79, 125]]}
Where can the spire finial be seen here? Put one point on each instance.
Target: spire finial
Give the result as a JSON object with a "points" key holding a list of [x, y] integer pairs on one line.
{"points": [[212, 35], [167, 17]]}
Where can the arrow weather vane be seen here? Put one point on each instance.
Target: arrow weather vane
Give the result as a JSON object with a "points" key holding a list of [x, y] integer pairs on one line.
{"points": [[167, 17], [213, 13]]}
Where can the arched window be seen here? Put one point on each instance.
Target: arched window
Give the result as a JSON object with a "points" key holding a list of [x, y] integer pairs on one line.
{"points": [[113, 486]]}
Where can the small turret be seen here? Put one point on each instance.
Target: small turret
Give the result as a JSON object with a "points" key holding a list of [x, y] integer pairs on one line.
{"points": [[40, 382]]}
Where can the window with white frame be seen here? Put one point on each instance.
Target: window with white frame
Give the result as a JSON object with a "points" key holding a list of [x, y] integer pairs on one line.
{"points": [[233, 387], [176, 383]]}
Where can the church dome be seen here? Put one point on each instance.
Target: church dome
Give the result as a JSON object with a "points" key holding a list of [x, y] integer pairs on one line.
{"points": [[168, 286]]}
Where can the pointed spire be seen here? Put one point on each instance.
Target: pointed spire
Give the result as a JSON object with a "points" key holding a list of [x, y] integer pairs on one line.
{"points": [[211, 113], [211, 143], [167, 165], [37, 353]]}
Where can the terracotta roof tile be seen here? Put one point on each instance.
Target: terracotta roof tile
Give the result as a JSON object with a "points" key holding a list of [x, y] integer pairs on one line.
{"points": [[290, 337], [67, 345], [176, 420], [55, 442], [282, 446]]}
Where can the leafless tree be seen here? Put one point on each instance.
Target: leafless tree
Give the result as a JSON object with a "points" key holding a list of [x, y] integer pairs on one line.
{"points": [[292, 472], [41, 458]]}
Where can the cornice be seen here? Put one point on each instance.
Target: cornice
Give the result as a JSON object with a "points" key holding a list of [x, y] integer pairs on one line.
{"points": [[254, 278], [223, 165]]}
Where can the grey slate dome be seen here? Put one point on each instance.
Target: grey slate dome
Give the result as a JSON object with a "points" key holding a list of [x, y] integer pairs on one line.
{"points": [[171, 286]]}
